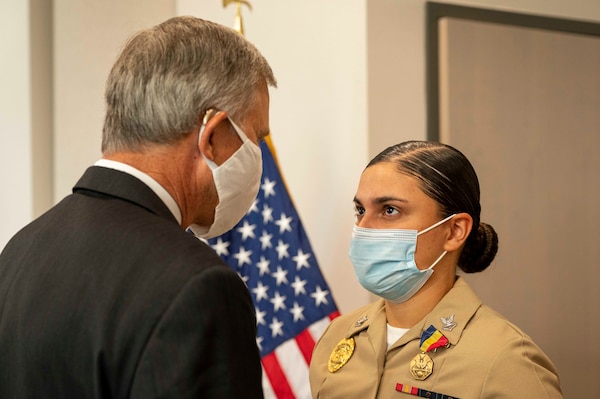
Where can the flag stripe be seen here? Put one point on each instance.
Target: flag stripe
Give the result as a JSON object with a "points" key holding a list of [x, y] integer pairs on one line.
{"points": [[306, 343], [267, 388], [295, 368], [277, 378], [318, 328]]}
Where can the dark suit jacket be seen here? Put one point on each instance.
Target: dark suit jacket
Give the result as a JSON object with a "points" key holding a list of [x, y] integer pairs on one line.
{"points": [[106, 296]]}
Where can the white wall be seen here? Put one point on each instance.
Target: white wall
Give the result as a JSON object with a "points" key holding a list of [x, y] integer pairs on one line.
{"points": [[351, 76], [15, 126], [25, 113], [87, 38]]}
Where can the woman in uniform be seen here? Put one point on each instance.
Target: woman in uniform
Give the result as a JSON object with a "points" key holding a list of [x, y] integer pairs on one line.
{"points": [[417, 221]]}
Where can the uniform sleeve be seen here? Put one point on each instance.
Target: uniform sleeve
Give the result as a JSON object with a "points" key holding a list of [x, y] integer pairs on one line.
{"points": [[522, 370], [204, 345]]}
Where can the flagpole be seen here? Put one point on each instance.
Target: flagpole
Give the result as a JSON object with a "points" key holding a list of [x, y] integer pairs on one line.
{"points": [[238, 24]]}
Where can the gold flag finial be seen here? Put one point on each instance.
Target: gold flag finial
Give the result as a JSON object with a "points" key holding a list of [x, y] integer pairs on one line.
{"points": [[238, 25]]}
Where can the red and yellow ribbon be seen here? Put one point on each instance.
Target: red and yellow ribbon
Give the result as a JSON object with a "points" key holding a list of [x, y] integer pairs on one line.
{"points": [[432, 338]]}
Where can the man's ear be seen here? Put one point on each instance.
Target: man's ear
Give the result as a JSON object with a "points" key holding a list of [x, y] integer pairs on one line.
{"points": [[460, 228], [207, 132]]}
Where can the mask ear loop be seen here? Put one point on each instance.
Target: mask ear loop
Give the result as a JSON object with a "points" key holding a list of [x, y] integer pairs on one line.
{"points": [[437, 260], [241, 134], [436, 224], [431, 228]]}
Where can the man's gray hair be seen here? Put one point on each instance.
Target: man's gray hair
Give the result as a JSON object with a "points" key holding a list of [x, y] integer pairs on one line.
{"points": [[167, 76]]}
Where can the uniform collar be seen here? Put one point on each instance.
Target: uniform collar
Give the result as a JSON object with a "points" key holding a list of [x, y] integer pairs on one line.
{"points": [[373, 322], [371, 315], [450, 316]]}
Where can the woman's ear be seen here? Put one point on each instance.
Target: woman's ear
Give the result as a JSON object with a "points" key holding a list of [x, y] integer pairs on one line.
{"points": [[207, 132], [460, 228]]}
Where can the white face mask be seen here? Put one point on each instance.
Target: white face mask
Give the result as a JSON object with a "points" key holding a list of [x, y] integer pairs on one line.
{"points": [[237, 181]]}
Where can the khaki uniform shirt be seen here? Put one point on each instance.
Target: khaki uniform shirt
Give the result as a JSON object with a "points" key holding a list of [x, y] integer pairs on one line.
{"points": [[487, 356]]}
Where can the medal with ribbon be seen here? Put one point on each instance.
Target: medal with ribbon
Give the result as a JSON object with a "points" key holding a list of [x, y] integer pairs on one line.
{"points": [[421, 366]]}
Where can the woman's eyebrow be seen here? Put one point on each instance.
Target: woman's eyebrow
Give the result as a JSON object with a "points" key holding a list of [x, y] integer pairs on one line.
{"points": [[384, 199]]}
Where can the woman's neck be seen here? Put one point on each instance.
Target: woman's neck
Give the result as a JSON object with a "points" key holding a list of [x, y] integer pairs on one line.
{"points": [[409, 313]]}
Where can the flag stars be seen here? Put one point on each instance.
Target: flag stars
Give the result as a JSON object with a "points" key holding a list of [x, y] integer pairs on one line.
{"points": [[263, 266], [254, 207], [320, 296], [275, 327], [298, 286], [278, 301], [268, 187], [282, 250], [260, 291], [260, 317], [269, 250], [296, 311], [221, 247], [280, 276], [243, 256], [267, 214], [265, 240], [244, 278], [301, 260], [284, 223], [247, 230]]}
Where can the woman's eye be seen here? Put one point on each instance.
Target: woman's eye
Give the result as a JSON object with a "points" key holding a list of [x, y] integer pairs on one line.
{"points": [[390, 211]]}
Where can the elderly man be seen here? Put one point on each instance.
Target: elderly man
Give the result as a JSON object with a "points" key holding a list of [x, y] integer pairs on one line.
{"points": [[106, 295]]}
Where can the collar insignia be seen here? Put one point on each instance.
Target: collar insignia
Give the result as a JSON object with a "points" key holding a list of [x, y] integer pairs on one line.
{"points": [[360, 321], [448, 322]]}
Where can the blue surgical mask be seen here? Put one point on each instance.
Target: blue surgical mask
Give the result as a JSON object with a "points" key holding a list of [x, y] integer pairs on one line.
{"points": [[384, 261]]}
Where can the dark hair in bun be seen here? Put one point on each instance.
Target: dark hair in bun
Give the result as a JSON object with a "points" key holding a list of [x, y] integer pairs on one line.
{"points": [[448, 177]]}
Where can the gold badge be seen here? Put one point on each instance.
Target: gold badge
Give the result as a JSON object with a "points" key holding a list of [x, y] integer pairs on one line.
{"points": [[421, 366], [341, 354]]}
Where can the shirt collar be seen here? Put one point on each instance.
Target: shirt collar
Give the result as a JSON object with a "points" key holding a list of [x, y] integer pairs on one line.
{"points": [[450, 316], [146, 179]]}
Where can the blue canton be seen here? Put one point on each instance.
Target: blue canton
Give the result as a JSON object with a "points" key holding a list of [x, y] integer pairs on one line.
{"points": [[271, 252]]}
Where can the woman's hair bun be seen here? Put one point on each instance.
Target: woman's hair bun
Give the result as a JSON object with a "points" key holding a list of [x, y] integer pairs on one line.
{"points": [[480, 249]]}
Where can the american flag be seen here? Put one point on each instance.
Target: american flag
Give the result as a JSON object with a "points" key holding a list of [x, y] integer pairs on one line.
{"points": [[271, 252]]}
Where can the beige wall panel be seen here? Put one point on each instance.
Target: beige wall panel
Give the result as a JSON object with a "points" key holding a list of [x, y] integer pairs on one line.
{"points": [[88, 36], [523, 105]]}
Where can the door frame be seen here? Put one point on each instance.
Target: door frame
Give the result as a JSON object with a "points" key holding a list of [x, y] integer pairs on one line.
{"points": [[435, 11]]}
